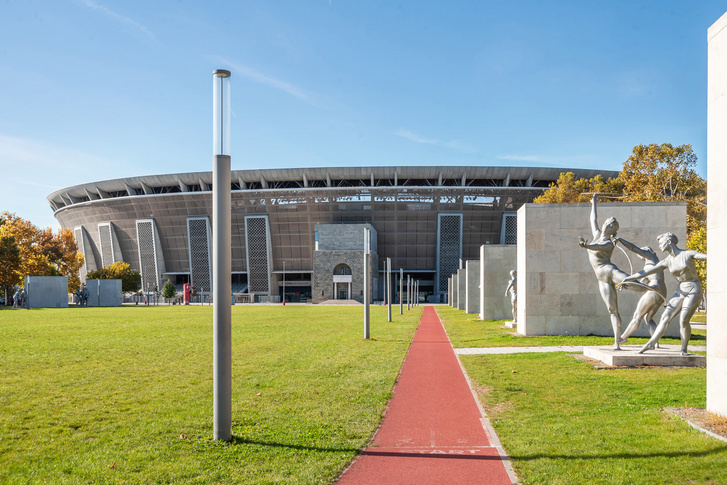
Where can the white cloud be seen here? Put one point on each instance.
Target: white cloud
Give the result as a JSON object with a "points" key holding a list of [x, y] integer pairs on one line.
{"points": [[573, 161], [260, 78], [416, 138], [121, 18], [522, 158]]}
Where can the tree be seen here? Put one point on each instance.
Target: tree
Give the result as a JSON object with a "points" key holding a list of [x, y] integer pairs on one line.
{"points": [[663, 172], [698, 242], [169, 290], [653, 173], [9, 265], [569, 189], [130, 280], [41, 252]]}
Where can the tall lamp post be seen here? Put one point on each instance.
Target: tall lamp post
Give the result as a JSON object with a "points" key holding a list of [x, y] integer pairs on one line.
{"points": [[408, 292], [283, 283], [366, 252], [221, 256], [388, 285], [401, 291]]}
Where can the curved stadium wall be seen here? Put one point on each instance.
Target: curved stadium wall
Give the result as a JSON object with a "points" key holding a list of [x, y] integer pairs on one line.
{"points": [[426, 219]]}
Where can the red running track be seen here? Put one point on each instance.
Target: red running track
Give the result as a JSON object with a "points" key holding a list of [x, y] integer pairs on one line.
{"points": [[433, 431]]}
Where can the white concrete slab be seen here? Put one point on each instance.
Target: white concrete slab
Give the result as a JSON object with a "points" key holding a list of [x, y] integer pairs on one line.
{"points": [[629, 357]]}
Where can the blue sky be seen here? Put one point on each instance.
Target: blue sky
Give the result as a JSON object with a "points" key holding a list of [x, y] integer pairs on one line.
{"points": [[102, 89]]}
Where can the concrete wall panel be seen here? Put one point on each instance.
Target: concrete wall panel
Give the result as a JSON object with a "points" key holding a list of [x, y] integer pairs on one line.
{"points": [[717, 215], [104, 292], [499, 261], [47, 291], [558, 291], [472, 304]]}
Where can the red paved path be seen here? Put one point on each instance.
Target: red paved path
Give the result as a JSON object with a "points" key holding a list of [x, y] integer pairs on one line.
{"points": [[433, 430]]}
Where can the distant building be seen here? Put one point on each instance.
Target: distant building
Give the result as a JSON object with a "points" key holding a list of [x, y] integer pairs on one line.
{"points": [[296, 222]]}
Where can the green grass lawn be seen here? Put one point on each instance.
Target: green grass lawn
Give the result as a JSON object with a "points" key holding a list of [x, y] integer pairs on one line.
{"points": [[124, 395], [466, 331], [699, 317], [564, 422]]}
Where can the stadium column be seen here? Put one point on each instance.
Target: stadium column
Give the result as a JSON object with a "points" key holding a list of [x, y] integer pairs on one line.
{"points": [[221, 256]]}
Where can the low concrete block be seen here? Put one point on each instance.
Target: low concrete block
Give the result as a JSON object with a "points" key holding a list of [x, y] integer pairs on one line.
{"points": [[104, 292], [629, 357], [47, 291]]}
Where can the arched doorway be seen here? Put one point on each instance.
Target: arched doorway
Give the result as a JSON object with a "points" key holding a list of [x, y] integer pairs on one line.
{"points": [[342, 282]]}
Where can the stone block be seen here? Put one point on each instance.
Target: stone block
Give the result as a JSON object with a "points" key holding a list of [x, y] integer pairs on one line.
{"points": [[472, 296], [560, 283], [561, 325], [47, 291], [628, 356], [543, 261], [104, 292], [499, 261], [461, 289]]}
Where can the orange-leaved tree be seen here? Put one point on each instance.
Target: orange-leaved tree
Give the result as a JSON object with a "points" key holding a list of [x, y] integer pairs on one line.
{"points": [[42, 252]]}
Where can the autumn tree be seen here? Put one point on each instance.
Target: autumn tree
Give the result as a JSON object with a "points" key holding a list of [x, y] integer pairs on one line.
{"points": [[130, 280], [698, 242], [41, 252], [653, 173], [658, 173], [569, 189], [9, 265]]}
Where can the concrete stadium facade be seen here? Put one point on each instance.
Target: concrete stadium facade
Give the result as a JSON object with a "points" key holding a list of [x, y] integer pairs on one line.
{"points": [[426, 219]]}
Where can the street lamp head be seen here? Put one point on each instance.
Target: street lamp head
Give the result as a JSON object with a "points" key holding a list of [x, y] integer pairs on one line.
{"points": [[221, 112]]}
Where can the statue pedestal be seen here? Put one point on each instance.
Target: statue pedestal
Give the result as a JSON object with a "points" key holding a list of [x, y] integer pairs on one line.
{"points": [[629, 356], [511, 324]]}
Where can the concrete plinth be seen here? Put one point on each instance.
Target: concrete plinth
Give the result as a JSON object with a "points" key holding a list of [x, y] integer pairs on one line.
{"points": [[629, 357]]}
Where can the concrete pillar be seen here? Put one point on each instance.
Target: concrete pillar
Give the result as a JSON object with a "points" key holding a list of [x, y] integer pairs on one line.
{"points": [[717, 217], [482, 282], [472, 294]]}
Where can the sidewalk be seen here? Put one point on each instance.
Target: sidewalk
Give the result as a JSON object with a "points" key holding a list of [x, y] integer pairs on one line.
{"points": [[434, 431]]}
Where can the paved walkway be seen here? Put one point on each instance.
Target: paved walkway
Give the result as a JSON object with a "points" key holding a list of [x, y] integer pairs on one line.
{"points": [[434, 430]]}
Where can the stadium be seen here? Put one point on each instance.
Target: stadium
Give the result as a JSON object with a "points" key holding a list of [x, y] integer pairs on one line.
{"points": [[300, 231]]}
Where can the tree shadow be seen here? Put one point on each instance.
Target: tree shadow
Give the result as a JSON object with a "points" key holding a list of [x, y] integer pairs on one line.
{"points": [[601, 456], [238, 440]]}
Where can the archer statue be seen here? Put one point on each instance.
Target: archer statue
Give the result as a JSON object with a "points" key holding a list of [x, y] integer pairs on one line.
{"points": [[608, 274], [688, 296]]}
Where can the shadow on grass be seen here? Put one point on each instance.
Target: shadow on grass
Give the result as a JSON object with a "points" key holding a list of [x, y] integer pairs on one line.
{"points": [[694, 454], [238, 440]]}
